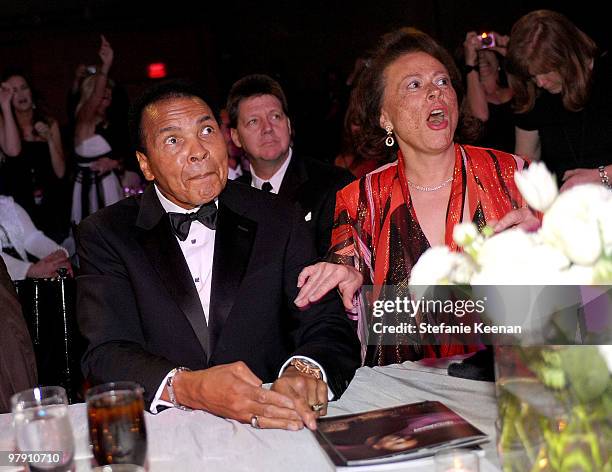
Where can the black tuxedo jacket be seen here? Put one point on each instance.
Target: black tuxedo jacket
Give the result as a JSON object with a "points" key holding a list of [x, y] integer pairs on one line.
{"points": [[138, 307], [313, 185]]}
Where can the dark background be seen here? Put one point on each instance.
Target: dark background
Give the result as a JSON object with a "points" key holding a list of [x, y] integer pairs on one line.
{"points": [[301, 43]]}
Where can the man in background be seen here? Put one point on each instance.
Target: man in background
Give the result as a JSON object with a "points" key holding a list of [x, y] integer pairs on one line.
{"points": [[260, 125]]}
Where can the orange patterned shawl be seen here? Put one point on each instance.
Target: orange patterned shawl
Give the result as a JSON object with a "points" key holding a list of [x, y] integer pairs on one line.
{"points": [[377, 230]]}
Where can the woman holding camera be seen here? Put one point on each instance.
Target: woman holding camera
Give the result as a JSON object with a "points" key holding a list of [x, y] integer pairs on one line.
{"points": [[561, 85], [34, 176], [488, 96]]}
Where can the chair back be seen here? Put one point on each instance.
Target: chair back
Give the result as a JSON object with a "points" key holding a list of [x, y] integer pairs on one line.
{"points": [[48, 307]]}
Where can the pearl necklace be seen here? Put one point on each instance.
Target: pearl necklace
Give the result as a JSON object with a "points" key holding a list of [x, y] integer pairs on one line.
{"points": [[430, 189]]}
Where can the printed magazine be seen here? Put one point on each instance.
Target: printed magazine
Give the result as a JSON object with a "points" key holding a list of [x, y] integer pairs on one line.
{"points": [[393, 434]]}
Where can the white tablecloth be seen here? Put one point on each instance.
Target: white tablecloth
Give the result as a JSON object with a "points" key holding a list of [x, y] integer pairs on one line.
{"points": [[197, 441]]}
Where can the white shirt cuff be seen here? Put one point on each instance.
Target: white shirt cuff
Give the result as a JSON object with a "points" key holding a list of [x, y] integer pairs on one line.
{"points": [[157, 401], [330, 394]]}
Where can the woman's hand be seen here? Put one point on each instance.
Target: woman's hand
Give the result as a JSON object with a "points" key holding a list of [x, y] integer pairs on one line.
{"points": [[578, 177], [501, 43], [131, 180], [521, 218], [42, 129], [471, 45], [48, 266], [106, 54], [317, 280], [104, 165], [6, 95]]}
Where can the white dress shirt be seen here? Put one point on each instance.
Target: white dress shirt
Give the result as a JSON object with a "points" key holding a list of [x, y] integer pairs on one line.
{"points": [[199, 251], [276, 180], [18, 231]]}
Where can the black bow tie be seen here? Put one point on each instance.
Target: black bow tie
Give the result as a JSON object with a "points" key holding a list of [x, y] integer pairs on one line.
{"points": [[181, 222]]}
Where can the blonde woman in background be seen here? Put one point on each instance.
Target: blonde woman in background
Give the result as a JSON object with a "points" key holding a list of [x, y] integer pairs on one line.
{"points": [[96, 182]]}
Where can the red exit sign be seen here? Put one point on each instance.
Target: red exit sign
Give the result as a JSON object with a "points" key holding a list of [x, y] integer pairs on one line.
{"points": [[156, 70]]}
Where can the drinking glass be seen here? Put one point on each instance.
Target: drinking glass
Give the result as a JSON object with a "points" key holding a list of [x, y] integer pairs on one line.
{"points": [[457, 460], [115, 413], [42, 428]]}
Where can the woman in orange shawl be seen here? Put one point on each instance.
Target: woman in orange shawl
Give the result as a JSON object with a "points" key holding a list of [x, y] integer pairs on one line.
{"points": [[385, 221]]}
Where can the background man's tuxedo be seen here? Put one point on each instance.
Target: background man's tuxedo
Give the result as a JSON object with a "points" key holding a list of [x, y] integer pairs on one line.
{"points": [[313, 185], [139, 308]]}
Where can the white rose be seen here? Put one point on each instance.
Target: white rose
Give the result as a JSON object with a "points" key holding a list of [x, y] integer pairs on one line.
{"points": [[517, 258], [606, 352], [572, 223], [465, 233], [537, 185], [463, 269], [605, 224], [577, 275], [439, 266], [504, 248]]}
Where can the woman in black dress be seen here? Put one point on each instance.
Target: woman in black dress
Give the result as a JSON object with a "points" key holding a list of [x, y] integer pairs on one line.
{"points": [[34, 177]]}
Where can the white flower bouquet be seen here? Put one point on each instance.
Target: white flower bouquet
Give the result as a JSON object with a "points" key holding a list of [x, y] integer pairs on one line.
{"points": [[555, 402]]}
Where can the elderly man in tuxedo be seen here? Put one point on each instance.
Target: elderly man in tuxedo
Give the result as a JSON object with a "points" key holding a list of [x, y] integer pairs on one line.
{"points": [[189, 288]]}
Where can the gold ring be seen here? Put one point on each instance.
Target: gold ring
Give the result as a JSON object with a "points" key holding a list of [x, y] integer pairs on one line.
{"points": [[317, 407], [255, 422]]}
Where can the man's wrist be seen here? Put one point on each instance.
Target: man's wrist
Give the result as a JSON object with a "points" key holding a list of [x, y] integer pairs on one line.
{"points": [[305, 367], [175, 386]]}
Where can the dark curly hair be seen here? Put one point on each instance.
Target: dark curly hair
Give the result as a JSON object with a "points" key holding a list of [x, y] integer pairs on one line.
{"points": [[369, 91], [40, 109]]}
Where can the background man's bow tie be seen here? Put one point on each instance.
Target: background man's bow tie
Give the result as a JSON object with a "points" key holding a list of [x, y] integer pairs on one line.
{"points": [[181, 222]]}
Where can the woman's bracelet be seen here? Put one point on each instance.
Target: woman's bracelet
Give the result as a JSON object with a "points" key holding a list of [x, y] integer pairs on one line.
{"points": [[603, 175]]}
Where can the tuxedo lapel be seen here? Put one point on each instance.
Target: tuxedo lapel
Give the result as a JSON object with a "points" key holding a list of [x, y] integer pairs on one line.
{"points": [[294, 178], [233, 244], [167, 259]]}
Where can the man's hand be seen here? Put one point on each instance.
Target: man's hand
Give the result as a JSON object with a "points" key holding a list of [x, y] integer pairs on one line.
{"points": [[47, 266], [305, 391], [578, 177], [233, 391], [521, 218], [316, 280]]}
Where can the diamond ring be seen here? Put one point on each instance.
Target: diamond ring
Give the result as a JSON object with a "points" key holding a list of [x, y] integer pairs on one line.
{"points": [[317, 407]]}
